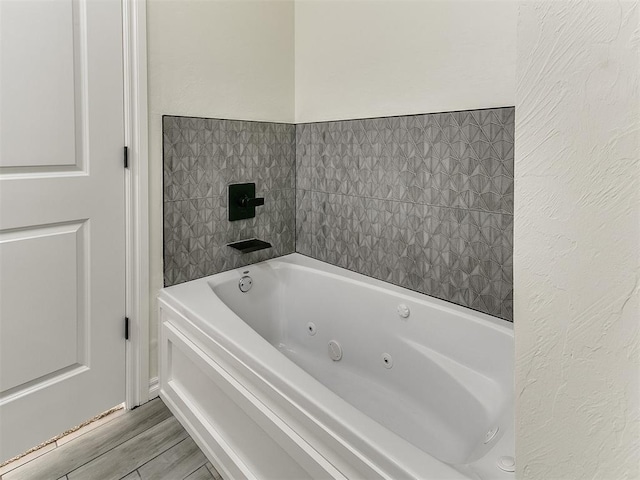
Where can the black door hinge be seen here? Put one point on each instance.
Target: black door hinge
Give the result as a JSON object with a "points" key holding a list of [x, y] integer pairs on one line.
{"points": [[126, 157], [126, 328]]}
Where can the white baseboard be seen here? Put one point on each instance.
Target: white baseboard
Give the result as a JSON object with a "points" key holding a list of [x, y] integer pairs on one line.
{"points": [[154, 388]]}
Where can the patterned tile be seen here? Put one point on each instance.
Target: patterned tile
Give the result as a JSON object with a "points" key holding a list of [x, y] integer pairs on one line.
{"points": [[460, 159], [422, 201], [303, 223], [460, 256], [188, 233], [203, 156]]}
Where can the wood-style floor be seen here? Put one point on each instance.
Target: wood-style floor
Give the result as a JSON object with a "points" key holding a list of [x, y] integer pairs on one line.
{"points": [[142, 444]]}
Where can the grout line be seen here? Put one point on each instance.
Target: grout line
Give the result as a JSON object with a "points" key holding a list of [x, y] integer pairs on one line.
{"points": [[131, 472], [407, 201], [223, 195], [136, 471], [161, 453], [198, 467]]}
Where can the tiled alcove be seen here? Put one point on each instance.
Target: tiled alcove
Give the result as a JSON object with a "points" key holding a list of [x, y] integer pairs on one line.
{"points": [[421, 201]]}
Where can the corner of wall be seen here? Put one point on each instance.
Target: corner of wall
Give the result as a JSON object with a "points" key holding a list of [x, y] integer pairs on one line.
{"points": [[212, 59]]}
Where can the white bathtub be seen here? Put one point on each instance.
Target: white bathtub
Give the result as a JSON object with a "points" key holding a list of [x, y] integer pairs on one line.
{"points": [[251, 378]]}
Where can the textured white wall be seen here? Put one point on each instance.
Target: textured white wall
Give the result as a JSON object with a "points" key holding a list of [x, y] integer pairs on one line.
{"points": [[215, 58], [577, 240], [371, 58]]}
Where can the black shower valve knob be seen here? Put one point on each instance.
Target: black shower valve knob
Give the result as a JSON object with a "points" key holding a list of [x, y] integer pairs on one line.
{"points": [[246, 201]]}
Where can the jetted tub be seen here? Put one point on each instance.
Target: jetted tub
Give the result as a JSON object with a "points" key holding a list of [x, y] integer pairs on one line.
{"points": [[319, 372]]}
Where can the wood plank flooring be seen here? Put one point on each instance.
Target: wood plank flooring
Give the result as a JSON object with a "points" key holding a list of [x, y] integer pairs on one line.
{"points": [[147, 443]]}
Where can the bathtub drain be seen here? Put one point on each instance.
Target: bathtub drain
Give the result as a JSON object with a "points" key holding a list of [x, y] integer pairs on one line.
{"points": [[245, 284]]}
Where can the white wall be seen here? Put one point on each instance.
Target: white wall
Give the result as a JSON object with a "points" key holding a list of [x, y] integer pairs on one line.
{"points": [[371, 58], [577, 241], [216, 58]]}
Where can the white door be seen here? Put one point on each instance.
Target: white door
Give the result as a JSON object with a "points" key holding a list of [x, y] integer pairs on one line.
{"points": [[62, 234]]}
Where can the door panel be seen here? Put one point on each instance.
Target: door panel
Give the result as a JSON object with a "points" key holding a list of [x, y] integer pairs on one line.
{"points": [[61, 216], [41, 40], [27, 267]]}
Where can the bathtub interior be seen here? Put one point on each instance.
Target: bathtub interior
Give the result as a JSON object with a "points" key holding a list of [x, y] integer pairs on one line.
{"points": [[448, 383]]}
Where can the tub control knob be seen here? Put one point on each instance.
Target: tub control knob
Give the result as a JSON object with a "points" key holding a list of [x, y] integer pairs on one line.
{"points": [[335, 351], [506, 463], [403, 311]]}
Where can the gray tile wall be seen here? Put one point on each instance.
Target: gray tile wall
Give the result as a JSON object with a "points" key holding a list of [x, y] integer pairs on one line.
{"points": [[422, 201], [201, 157]]}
